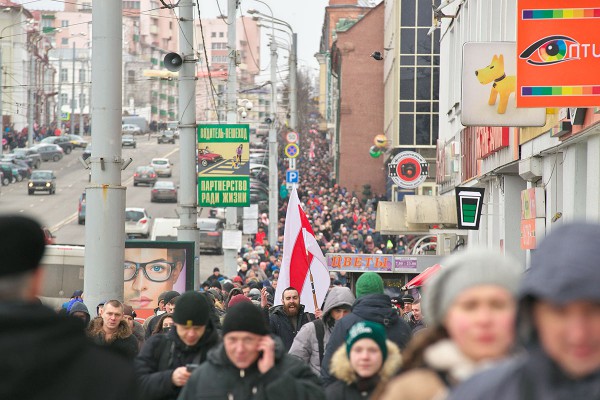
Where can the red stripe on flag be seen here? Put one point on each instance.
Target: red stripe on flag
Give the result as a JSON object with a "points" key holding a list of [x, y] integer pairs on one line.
{"points": [[305, 223], [299, 263]]}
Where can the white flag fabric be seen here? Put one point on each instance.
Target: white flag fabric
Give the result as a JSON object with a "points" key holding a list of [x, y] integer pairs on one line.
{"points": [[302, 257]]}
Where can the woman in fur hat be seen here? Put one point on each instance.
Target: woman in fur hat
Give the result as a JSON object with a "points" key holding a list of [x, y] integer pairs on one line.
{"points": [[470, 309], [364, 364]]}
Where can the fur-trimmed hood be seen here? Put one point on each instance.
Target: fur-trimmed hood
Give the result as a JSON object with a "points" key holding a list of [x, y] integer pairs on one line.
{"points": [[95, 329], [342, 370]]}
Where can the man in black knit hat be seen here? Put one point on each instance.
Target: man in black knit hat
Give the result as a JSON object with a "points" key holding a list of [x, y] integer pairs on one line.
{"points": [[166, 361], [45, 355], [250, 363]]}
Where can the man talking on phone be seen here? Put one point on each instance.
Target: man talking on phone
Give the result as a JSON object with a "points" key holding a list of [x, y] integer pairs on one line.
{"points": [[167, 360], [251, 363]]}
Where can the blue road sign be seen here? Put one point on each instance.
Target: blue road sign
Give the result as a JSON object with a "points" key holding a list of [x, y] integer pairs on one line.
{"points": [[291, 176]]}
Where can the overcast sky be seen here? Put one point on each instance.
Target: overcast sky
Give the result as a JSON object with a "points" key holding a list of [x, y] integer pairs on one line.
{"points": [[305, 17]]}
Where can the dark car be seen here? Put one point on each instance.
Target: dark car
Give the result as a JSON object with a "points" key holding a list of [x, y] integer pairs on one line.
{"points": [[145, 175], [22, 169], [128, 141], [166, 137], [9, 175], [164, 191], [81, 210], [206, 157], [30, 154], [63, 141], [77, 141], [17, 158], [49, 151], [43, 180], [211, 234]]}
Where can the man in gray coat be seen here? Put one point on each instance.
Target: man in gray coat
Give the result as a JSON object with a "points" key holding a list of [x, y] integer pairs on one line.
{"points": [[309, 344], [559, 323]]}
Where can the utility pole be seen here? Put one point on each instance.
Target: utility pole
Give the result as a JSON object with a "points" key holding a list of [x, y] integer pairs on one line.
{"points": [[273, 189], [1, 109], [71, 118], [294, 82], [59, 119], [188, 195], [105, 219], [230, 255], [81, 102], [30, 120]]}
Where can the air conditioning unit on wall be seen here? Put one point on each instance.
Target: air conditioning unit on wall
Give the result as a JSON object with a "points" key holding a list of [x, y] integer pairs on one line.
{"points": [[530, 169]]}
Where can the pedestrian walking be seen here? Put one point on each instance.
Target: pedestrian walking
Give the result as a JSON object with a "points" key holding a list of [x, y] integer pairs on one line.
{"points": [[287, 319], [111, 330], [559, 325]]}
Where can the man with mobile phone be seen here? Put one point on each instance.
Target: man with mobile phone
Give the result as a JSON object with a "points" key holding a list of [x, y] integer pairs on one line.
{"points": [[167, 361], [251, 363]]}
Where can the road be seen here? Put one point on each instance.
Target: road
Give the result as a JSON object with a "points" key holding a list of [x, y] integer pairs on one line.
{"points": [[59, 212]]}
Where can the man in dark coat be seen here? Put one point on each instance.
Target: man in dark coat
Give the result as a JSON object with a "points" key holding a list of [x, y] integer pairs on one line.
{"points": [[112, 331], [372, 305], [161, 365], [287, 319], [46, 356], [250, 363], [559, 323]]}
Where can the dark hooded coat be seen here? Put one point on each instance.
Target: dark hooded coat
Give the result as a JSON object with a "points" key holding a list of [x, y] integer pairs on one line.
{"points": [[372, 307], [46, 356], [280, 324], [564, 269]]}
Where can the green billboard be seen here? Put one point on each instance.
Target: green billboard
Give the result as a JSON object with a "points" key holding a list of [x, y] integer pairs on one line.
{"points": [[223, 165]]}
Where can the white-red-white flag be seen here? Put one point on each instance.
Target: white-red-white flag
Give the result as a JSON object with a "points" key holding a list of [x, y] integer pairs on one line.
{"points": [[302, 257]]}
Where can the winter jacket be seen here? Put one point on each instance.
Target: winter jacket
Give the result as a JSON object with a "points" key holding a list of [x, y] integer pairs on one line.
{"points": [[445, 366], [563, 270], [281, 325], [122, 342], [306, 345], [218, 378], [415, 325], [371, 307], [162, 354], [80, 307], [349, 386], [46, 356]]}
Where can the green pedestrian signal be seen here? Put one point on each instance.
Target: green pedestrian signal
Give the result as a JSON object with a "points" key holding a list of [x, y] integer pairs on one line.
{"points": [[283, 191], [469, 202]]}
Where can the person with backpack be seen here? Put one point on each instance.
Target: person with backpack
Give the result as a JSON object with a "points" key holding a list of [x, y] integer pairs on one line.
{"points": [[309, 344], [166, 361]]}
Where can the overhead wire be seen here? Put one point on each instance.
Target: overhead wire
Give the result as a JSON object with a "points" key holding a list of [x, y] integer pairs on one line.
{"points": [[213, 90]]}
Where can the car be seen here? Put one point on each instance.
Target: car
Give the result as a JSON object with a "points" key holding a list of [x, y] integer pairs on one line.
{"points": [[137, 222], [87, 153], [211, 234], [20, 169], [8, 175], [81, 210], [29, 154], [128, 141], [166, 137], [131, 129], [164, 191], [17, 158], [42, 180], [77, 141], [162, 166], [144, 174], [49, 151], [206, 157], [63, 141]]}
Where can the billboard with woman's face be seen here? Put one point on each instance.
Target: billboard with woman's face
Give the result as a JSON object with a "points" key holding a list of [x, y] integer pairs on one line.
{"points": [[151, 268]]}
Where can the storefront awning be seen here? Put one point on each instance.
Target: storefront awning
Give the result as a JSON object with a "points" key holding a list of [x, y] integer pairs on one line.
{"points": [[391, 220], [415, 215]]}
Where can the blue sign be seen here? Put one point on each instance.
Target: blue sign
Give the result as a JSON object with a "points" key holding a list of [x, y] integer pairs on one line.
{"points": [[291, 176]]}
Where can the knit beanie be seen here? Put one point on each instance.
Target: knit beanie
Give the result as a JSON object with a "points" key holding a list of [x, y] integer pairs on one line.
{"points": [[170, 295], [367, 329], [463, 270], [369, 283], [245, 317], [192, 310], [22, 245], [238, 298]]}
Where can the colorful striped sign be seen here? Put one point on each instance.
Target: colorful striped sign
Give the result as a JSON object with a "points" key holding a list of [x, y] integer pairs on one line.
{"points": [[560, 90], [562, 13]]}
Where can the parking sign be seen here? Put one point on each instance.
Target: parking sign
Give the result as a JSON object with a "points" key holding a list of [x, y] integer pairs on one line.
{"points": [[292, 176]]}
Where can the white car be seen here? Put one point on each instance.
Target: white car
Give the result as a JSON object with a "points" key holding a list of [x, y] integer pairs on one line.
{"points": [[162, 166], [130, 129], [137, 222]]}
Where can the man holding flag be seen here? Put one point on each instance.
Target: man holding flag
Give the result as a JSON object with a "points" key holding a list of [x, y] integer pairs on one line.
{"points": [[303, 279]]}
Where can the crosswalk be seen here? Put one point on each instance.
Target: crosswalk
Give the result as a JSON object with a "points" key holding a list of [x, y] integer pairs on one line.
{"points": [[226, 168]]}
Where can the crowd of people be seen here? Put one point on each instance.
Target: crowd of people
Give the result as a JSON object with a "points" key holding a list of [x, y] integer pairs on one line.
{"points": [[13, 138], [486, 329]]}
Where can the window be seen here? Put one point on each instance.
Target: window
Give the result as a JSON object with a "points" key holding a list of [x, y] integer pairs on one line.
{"points": [[130, 76], [64, 40], [213, 34], [64, 23], [64, 75], [82, 99], [64, 98], [221, 34], [82, 75]]}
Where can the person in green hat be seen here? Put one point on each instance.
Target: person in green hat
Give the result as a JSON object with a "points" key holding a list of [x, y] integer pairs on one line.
{"points": [[371, 304], [366, 362]]}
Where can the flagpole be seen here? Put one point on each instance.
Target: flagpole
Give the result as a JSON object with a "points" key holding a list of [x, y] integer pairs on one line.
{"points": [[312, 282]]}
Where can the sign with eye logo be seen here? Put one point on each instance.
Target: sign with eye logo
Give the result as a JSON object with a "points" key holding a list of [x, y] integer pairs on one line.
{"points": [[488, 87], [558, 53]]}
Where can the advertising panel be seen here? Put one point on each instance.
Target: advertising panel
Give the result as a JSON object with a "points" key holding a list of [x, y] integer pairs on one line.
{"points": [[360, 262], [558, 53], [223, 165], [151, 268], [488, 87]]}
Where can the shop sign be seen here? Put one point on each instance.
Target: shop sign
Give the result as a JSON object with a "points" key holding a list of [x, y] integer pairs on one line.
{"points": [[360, 262], [490, 140]]}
